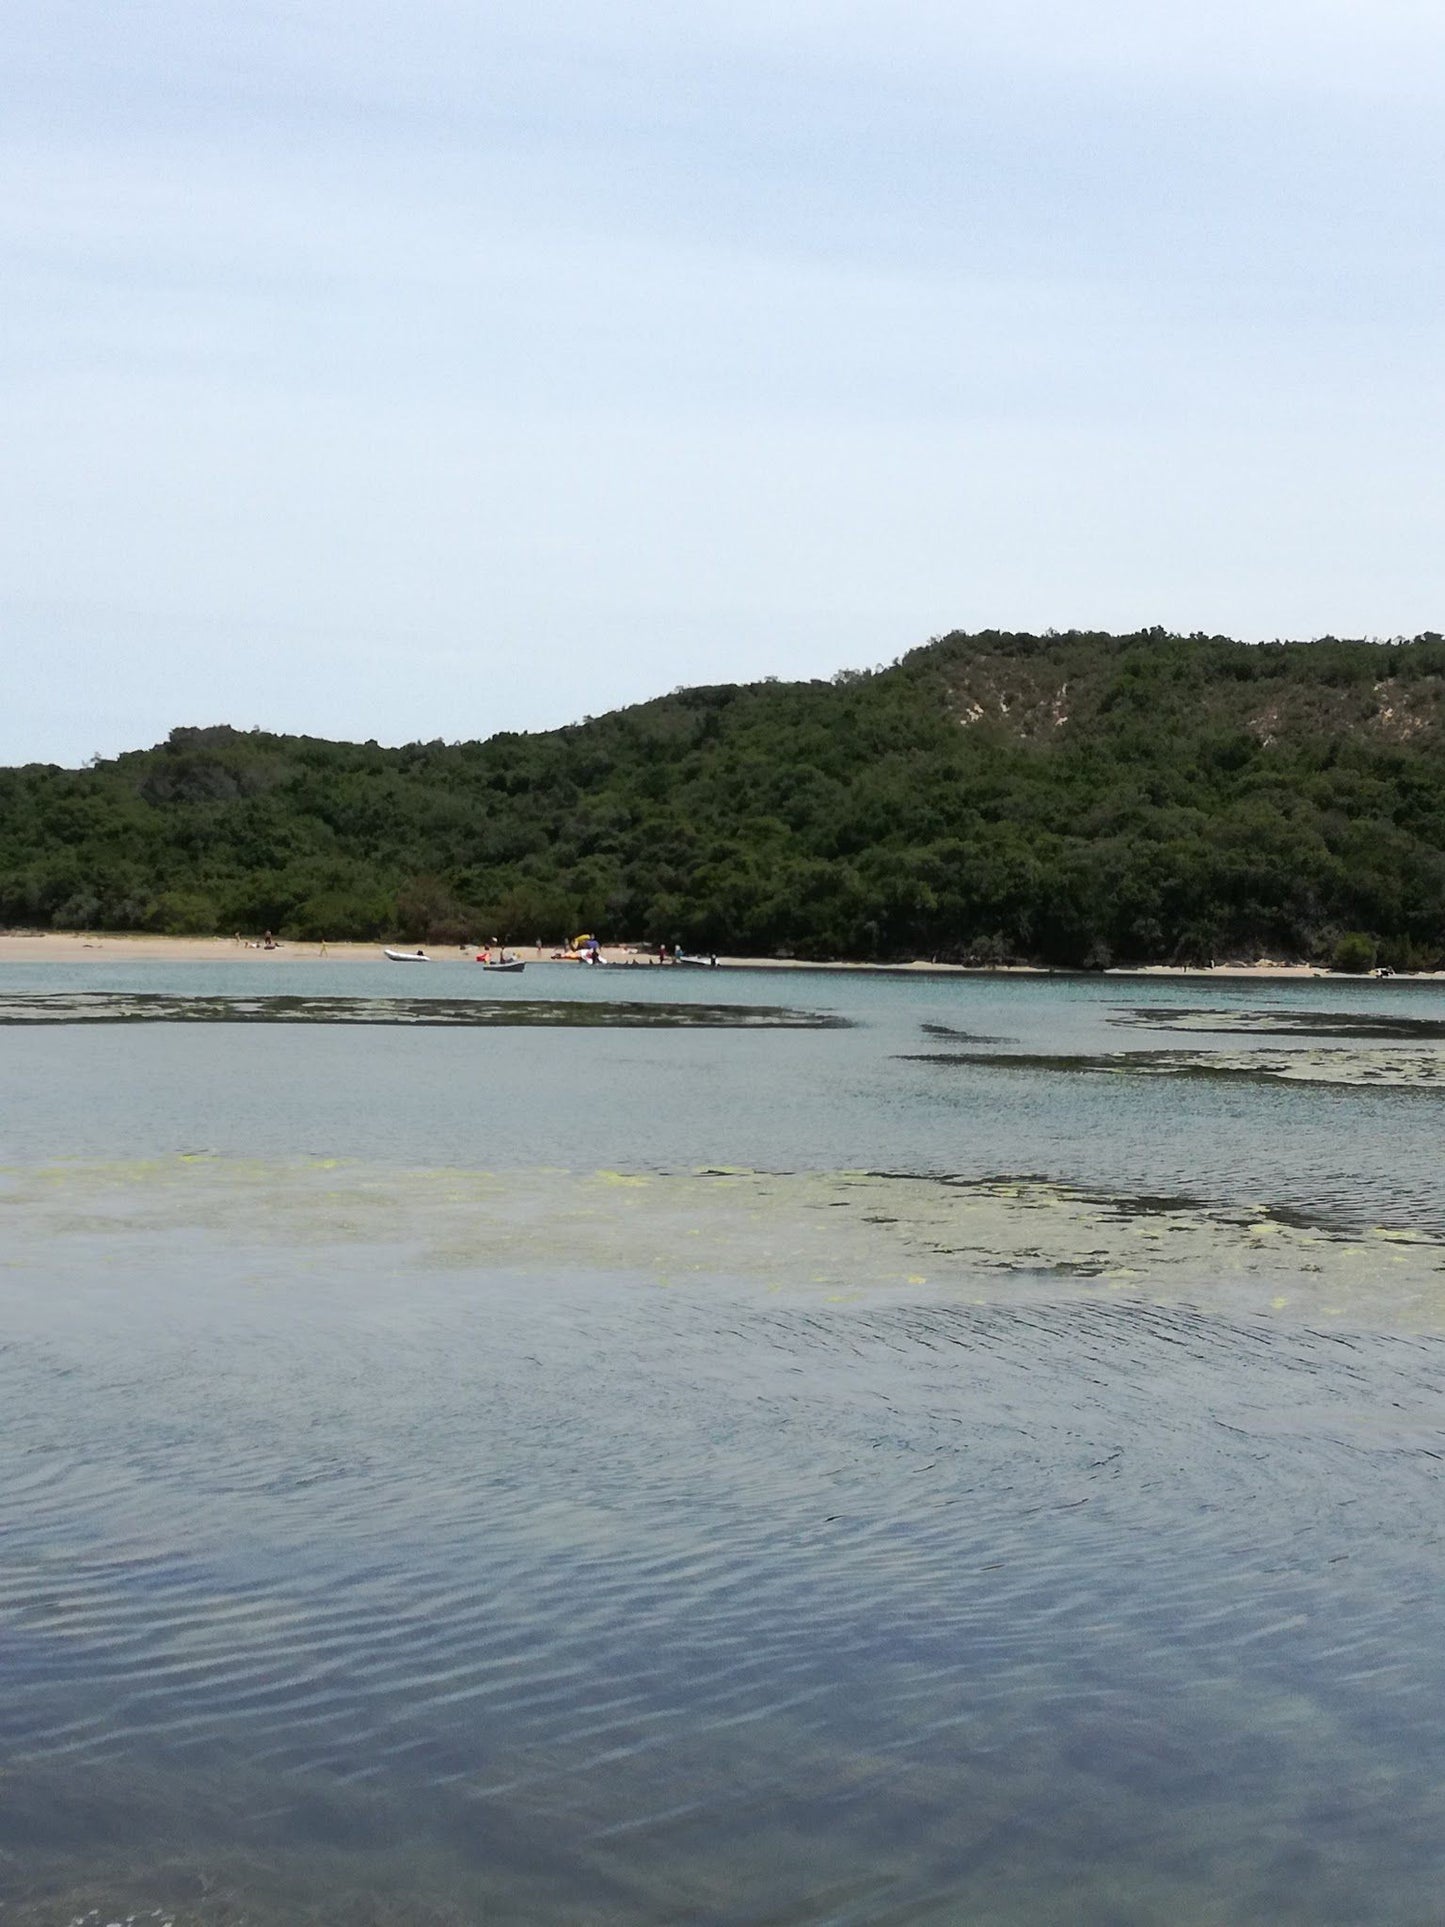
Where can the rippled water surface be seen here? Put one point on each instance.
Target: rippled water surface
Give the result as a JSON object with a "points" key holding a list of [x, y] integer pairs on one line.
{"points": [[659, 1473]]}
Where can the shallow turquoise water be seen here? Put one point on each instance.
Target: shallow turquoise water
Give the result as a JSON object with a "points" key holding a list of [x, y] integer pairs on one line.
{"points": [[383, 1542]]}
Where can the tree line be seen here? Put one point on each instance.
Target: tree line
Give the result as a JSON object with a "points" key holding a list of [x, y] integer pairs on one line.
{"points": [[1073, 799]]}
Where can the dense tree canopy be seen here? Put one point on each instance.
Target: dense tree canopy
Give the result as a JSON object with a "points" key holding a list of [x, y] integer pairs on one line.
{"points": [[1073, 799]]}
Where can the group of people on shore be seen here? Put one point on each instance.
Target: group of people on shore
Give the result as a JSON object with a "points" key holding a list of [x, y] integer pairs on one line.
{"points": [[583, 949]]}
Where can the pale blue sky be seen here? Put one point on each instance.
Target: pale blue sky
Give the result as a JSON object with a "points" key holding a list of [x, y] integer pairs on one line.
{"points": [[424, 370]]}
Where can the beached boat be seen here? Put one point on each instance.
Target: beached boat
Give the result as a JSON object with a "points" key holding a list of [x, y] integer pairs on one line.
{"points": [[406, 956], [695, 963]]}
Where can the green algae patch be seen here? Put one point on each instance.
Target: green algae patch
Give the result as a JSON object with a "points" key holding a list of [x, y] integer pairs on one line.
{"points": [[1002, 1239]]}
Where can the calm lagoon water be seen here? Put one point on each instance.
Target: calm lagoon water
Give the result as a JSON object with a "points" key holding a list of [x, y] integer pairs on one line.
{"points": [[714, 1471]]}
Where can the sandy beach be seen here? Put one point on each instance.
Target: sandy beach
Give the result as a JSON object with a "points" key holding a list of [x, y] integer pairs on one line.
{"points": [[83, 946]]}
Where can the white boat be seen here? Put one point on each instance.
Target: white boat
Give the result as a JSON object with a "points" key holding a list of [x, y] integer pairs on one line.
{"points": [[406, 956], [695, 963], [512, 963]]}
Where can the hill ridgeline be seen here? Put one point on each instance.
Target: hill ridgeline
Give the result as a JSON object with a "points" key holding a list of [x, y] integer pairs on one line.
{"points": [[1073, 800]]}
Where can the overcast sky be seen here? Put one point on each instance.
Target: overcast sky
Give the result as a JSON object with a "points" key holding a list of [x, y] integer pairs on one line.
{"points": [[427, 369]]}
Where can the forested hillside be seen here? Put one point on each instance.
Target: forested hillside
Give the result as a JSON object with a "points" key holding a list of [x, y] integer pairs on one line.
{"points": [[1072, 799]]}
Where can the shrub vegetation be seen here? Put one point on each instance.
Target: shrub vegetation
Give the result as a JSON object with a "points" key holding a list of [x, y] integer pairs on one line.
{"points": [[1072, 799]]}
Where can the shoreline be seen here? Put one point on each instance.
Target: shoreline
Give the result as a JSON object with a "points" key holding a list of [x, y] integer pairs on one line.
{"points": [[86, 946]]}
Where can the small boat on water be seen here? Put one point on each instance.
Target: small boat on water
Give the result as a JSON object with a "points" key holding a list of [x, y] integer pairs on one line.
{"points": [[406, 956], [512, 963]]}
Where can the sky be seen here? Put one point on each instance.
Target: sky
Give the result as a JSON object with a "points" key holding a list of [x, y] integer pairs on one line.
{"points": [[422, 370]]}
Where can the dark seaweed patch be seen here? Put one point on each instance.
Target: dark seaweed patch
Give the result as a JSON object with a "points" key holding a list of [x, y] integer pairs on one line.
{"points": [[1334, 1070], [156, 1007], [1280, 1023]]}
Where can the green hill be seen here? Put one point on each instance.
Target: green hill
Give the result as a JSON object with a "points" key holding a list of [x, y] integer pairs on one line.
{"points": [[1072, 799]]}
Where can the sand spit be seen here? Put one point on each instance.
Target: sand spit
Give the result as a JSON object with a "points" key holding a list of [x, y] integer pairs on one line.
{"points": [[52, 946]]}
